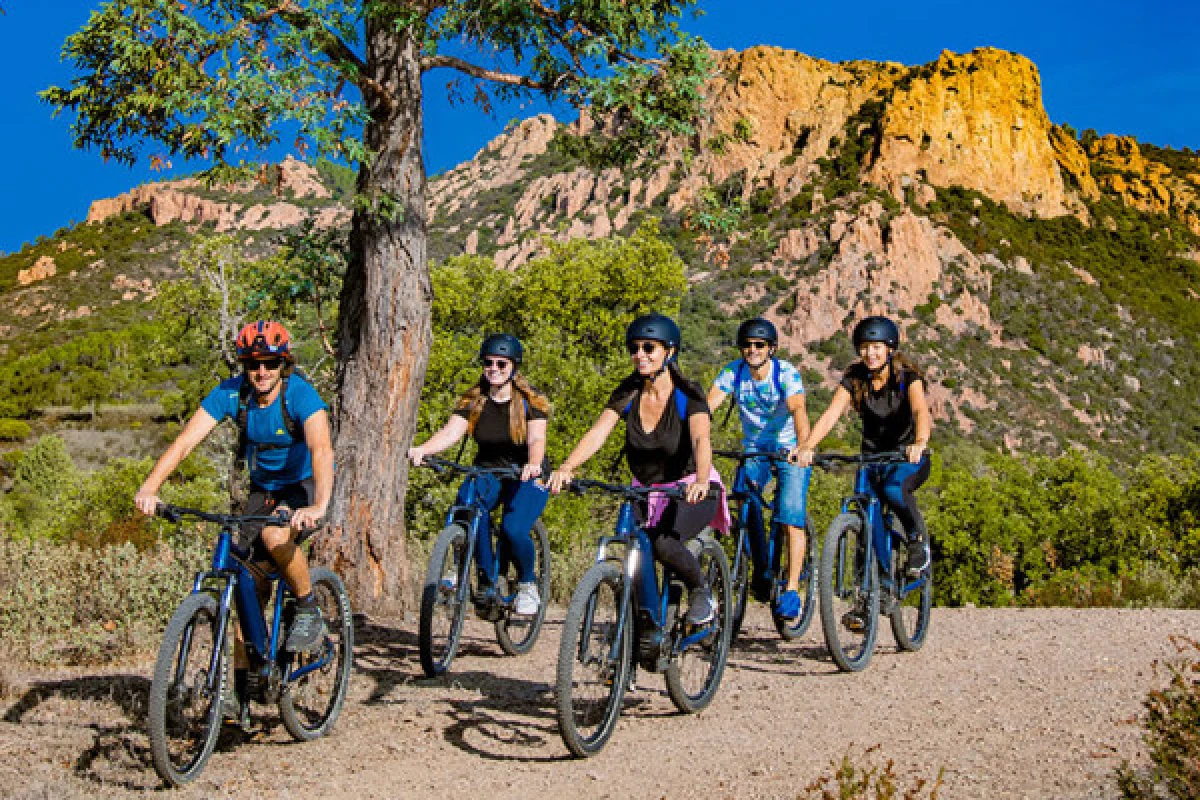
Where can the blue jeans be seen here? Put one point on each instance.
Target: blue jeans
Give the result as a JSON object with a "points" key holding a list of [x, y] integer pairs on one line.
{"points": [[523, 503], [792, 506], [895, 484]]}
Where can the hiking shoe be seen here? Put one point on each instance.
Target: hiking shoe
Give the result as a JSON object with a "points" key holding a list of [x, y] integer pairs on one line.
{"points": [[528, 600], [854, 621], [918, 557], [788, 605], [308, 630], [701, 608]]}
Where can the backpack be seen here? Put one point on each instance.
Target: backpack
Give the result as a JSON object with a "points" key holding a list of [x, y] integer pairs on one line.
{"points": [[294, 430], [776, 379]]}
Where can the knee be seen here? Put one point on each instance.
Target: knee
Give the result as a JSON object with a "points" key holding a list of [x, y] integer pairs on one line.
{"points": [[275, 538]]}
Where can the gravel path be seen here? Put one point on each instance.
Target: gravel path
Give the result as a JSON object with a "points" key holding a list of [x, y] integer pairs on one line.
{"points": [[1009, 703]]}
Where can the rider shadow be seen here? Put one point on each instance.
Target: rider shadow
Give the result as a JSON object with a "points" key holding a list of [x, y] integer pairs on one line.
{"points": [[511, 717], [119, 754]]}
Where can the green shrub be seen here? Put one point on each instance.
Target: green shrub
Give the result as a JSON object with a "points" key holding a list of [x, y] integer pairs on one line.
{"points": [[1172, 733], [14, 430]]}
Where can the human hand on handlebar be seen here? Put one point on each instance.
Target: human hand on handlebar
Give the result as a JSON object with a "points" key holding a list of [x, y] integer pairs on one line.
{"points": [[914, 452], [559, 479], [146, 502], [531, 471], [801, 456], [695, 492], [306, 518], [416, 455]]}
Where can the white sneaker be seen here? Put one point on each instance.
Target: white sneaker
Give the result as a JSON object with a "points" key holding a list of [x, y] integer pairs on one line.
{"points": [[528, 599]]}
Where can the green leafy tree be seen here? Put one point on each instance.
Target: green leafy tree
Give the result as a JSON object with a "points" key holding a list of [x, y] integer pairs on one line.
{"points": [[214, 78]]}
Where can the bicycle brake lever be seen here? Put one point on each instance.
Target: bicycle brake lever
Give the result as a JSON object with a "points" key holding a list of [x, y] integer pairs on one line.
{"points": [[166, 512]]}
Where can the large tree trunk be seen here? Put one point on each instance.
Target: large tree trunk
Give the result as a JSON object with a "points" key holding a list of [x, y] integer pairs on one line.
{"points": [[384, 339]]}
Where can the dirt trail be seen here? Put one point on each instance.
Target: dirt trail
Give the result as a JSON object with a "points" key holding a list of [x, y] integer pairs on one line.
{"points": [[1035, 703]]}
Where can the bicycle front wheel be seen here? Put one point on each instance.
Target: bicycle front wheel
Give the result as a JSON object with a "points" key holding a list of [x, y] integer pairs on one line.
{"points": [[694, 674], [911, 613], [849, 587], [791, 629], [310, 705], [517, 634], [442, 610], [593, 666], [184, 710]]}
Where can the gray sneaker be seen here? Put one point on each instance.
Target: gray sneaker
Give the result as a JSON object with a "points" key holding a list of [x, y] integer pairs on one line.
{"points": [[308, 630], [701, 608]]}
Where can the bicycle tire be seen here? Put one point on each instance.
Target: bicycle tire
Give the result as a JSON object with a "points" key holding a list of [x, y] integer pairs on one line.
{"points": [[791, 630], [440, 601], [310, 706], [847, 585], [517, 635], [587, 724], [180, 748], [689, 695], [911, 614], [740, 593]]}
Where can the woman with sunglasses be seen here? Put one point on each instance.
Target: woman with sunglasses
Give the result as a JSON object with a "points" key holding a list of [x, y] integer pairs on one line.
{"points": [[507, 419], [286, 445], [666, 442], [769, 395]]}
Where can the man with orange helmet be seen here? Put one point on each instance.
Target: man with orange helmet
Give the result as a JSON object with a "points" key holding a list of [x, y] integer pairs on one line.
{"points": [[285, 441]]}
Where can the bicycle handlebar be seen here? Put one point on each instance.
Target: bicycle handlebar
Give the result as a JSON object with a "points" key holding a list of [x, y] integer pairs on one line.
{"points": [[581, 485], [828, 460], [174, 513], [746, 455], [442, 465]]}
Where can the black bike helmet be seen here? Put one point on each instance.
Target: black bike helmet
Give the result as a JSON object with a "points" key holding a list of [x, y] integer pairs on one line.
{"points": [[876, 329], [502, 345], [757, 328], [656, 328]]}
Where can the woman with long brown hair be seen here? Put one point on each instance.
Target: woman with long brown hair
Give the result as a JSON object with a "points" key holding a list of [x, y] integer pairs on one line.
{"points": [[507, 419]]}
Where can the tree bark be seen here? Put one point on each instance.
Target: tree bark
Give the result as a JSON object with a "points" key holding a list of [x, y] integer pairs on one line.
{"points": [[384, 338]]}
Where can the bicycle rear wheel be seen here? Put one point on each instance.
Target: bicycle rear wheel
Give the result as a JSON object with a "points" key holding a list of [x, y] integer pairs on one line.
{"points": [[517, 634], [911, 613], [310, 705], [442, 612], [694, 674], [593, 666], [791, 629], [184, 712], [849, 587]]}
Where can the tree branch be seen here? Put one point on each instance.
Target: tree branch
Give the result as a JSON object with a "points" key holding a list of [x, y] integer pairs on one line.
{"points": [[483, 73]]}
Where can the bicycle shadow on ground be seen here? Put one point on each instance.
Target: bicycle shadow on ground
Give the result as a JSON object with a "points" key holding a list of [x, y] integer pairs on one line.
{"points": [[768, 653], [387, 655], [512, 719], [119, 753]]}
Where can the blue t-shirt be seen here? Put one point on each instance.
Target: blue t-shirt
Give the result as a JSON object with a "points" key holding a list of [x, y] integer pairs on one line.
{"points": [[766, 422], [270, 469]]}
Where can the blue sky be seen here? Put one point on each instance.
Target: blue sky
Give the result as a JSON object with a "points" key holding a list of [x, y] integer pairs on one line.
{"points": [[1127, 67]]}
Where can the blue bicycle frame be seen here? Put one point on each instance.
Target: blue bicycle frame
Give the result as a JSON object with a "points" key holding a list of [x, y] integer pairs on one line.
{"points": [[229, 567], [641, 589], [866, 503], [478, 521], [749, 494]]}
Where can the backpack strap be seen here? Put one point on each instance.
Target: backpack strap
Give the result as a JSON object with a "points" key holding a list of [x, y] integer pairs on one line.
{"points": [[294, 430], [680, 404]]}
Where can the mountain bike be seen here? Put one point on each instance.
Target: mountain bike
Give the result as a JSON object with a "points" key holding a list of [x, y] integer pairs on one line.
{"points": [[191, 675], [461, 572], [750, 507], [863, 572], [620, 609]]}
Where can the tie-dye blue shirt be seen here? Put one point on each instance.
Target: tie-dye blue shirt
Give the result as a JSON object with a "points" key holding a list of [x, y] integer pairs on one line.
{"points": [[766, 422]]}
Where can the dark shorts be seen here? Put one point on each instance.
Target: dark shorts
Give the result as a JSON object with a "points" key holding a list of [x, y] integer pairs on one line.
{"points": [[267, 501]]}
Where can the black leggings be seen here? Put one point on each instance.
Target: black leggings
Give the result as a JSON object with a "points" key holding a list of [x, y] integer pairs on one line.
{"points": [[682, 521]]}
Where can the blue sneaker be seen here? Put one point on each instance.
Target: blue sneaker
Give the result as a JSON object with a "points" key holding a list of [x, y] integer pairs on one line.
{"points": [[788, 605]]}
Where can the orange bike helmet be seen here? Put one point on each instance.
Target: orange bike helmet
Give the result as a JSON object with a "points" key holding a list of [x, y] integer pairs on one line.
{"points": [[264, 339]]}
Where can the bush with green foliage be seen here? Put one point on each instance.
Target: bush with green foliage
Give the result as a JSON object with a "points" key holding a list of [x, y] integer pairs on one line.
{"points": [[1172, 733]]}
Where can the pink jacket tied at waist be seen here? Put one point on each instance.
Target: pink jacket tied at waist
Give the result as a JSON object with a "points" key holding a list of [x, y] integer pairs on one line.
{"points": [[656, 503]]}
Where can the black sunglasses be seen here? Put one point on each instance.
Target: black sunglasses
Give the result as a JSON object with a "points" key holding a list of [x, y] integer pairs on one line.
{"points": [[646, 347], [496, 363], [755, 346], [269, 363]]}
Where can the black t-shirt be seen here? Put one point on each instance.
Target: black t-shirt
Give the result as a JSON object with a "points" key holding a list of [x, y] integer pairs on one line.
{"points": [[492, 435], [665, 453], [887, 415]]}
